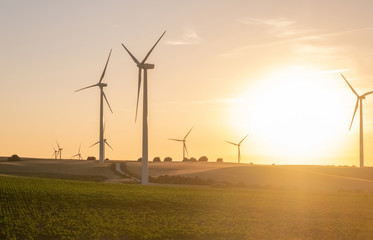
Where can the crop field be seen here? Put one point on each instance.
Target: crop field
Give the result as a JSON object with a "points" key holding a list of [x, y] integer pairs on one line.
{"points": [[39, 208]]}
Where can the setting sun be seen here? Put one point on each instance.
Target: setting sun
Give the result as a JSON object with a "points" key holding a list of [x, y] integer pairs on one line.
{"points": [[295, 112]]}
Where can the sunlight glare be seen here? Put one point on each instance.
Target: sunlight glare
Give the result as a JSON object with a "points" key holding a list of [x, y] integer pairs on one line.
{"points": [[295, 112]]}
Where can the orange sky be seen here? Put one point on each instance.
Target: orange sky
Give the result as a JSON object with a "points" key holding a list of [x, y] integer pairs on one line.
{"points": [[268, 69]]}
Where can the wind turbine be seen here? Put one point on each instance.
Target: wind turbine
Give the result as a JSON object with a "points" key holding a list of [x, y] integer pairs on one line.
{"points": [[184, 143], [105, 141], [59, 150], [144, 66], [101, 85], [78, 154], [238, 146], [55, 154], [359, 101]]}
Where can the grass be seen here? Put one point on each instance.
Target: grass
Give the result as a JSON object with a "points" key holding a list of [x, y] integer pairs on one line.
{"points": [[35, 208]]}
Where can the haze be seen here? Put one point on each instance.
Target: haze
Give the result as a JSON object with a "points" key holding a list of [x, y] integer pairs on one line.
{"points": [[227, 68]]}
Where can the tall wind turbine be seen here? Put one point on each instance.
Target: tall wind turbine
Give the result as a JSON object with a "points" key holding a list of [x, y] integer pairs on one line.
{"points": [[144, 66], [78, 154], [184, 143], [59, 150], [359, 101], [238, 146], [101, 85]]}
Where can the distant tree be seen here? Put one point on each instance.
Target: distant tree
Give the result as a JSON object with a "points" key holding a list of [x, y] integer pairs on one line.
{"points": [[91, 158], [14, 157], [139, 160], [186, 160], [167, 159], [219, 160], [157, 159], [192, 159], [203, 159], [106, 159]]}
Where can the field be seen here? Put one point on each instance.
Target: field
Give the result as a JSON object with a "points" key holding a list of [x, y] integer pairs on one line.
{"points": [[40, 208], [325, 178]]}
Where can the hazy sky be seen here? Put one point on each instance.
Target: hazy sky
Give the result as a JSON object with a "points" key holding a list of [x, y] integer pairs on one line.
{"points": [[270, 69]]}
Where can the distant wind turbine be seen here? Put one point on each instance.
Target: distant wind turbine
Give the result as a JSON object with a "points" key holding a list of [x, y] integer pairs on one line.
{"points": [[144, 66], [59, 150], [359, 101], [105, 141], [238, 146], [78, 154], [184, 143], [101, 85], [55, 154]]}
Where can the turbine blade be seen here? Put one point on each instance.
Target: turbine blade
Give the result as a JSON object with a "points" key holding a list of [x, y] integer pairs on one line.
{"points": [[353, 90], [232, 143], [86, 87], [75, 155], [94, 144], [244, 138], [103, 73], [133, 57], [58, 144], [366, 94], [356, 106], [109, 145], [188, 133], [107, 101], [186, 149], [173, 139], [147, 55], [138, 93]]}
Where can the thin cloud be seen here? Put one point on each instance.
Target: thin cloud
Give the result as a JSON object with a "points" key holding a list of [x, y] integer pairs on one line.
{"points": [[208, 101], [280, 27], [294, 40], [189, 37]]}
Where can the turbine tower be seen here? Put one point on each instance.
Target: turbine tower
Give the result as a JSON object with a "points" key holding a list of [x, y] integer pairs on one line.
{"points": [[59, 150], [359, 101], [101, 85], [144, 66], [184, 143], [238, 146], [78, 154]]}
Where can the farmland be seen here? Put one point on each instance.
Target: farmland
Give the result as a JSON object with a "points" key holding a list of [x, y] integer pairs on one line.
{"points": [[39, 208]]}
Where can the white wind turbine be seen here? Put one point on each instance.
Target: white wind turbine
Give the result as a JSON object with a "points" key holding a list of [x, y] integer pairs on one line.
{"points": [[59, 150], [101, 85], [359, 101], [184, 143], [144, 66], [78, 154], [238, 146]]}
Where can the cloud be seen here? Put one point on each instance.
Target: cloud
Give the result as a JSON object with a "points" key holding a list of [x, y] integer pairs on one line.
{"points": [[208, 101], [189, 37], [299, 39], [280, 27]]}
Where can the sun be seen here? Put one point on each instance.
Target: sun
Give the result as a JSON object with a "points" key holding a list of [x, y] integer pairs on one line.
{"points": [[294, 115]]}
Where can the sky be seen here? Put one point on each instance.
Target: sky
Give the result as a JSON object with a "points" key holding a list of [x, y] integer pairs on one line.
{"points": [[269, 69]]}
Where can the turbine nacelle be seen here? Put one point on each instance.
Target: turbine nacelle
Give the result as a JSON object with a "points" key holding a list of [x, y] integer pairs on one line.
{"points": [[146, 66], [102, 85]]}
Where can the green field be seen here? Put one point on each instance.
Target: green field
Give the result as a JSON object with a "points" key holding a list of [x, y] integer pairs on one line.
{"points": [[33, 208]]}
